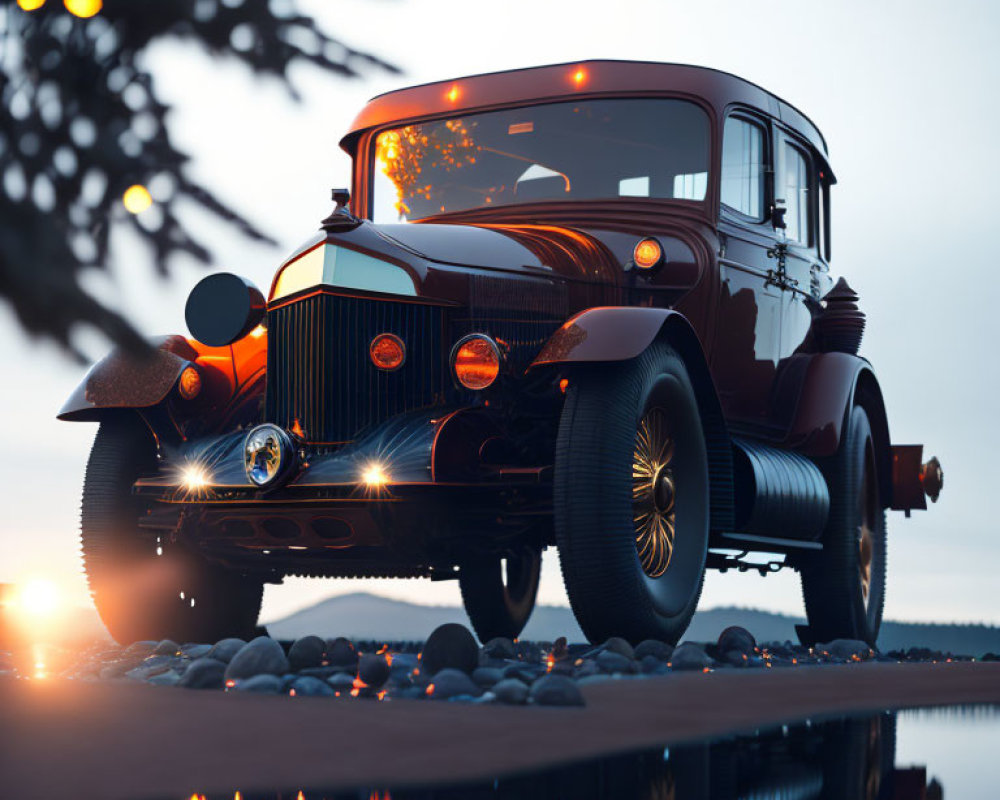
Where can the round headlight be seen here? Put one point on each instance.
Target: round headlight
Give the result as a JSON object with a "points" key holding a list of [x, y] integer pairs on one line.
{"points": [[476, 361], [268, 454]]}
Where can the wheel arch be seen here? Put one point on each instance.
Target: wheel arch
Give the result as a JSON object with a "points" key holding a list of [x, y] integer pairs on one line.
{"points": [[868, 394], [621, 333]]}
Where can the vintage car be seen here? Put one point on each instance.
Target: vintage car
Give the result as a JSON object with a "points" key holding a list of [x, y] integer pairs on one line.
{"points": [[583, 305]]}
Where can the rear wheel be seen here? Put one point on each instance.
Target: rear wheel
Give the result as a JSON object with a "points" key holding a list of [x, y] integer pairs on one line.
{"points": [[631, 498], [499, 594], [144, 588], [844, 587]]}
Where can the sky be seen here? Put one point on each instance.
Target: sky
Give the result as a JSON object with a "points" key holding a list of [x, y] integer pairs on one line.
{"points": [[903, 92]]}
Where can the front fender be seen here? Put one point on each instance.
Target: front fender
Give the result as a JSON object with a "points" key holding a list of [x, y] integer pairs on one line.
{"points": [[122, 381]]}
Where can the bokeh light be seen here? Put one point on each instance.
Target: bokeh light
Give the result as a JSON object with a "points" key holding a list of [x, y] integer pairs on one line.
{"points": [[137, 199], [39, 598], [83, 8], [30, 5]]}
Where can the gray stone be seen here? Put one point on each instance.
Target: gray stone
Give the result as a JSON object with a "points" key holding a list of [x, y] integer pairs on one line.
{"points": [[689, 656], [611, 663], [306, 652], [168, 678], [618, 645], [373, 670], [846, 649], [322, 672], [736, 638], [556, 690], [140, 649], [587, 669], [153, 665], [194, 651], [308, 686], [487, 676], [651, 665], [523, 672], [450, 646], [341, 682], [656, 649], [261, 684], [167, 647], [262, 656], [203, 673], [224, 649], [450, 683], [511, 692], [341, 652], [500, 647], [736, 658]]}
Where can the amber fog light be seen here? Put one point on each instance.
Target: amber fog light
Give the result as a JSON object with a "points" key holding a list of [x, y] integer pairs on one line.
{"points": [[476, 361], [189, 384], [647, 254], [387, 351]]}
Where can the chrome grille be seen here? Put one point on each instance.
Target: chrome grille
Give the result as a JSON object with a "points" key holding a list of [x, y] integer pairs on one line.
{"points": [[320, 378]]}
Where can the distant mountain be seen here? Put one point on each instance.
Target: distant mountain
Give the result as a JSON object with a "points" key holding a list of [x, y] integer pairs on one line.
{"points": [[367, 616]]}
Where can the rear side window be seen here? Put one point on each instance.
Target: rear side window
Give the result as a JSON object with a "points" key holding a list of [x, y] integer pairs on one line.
{"points": [[743, 167], [795, 186]]}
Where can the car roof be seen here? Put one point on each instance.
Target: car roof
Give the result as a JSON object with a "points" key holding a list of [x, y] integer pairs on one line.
{"points": [[577, 79]]}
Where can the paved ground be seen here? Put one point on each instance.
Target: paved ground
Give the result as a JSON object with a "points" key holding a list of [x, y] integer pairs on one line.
{"points": [[124, 741]]}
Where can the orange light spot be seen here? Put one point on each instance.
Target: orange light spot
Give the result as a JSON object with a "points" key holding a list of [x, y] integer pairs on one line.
{"points": [[297, 429], [647, 254], [355, 692], [230, 683], [429, 690], [579, 77], [453, 94], [387, 351], [477, 363], [381, 695], [300, 796], [259, 331], [83, 8], [563, 385], [189, 384]]}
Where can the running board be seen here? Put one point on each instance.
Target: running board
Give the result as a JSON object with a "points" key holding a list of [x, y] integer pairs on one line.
{"points": [[749, 541]]}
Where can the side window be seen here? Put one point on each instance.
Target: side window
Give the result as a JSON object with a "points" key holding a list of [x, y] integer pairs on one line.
{"points": [[795, 191], [743, 167]]}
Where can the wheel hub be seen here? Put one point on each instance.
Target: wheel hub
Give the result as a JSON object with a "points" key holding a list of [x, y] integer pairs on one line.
{"points": [[653, 493]]}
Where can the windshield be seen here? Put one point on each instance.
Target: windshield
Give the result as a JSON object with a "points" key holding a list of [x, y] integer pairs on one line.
{"points": [[582, 150]]}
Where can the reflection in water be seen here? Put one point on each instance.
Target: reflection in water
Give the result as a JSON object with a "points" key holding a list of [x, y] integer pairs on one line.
{"points": [[845, 759]]}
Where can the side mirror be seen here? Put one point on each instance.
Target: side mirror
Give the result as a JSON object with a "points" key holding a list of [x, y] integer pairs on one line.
{"points": [[778, 216], [223, 308]]}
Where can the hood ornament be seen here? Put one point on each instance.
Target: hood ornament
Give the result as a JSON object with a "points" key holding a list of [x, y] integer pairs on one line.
{"points": [[341, 219]]}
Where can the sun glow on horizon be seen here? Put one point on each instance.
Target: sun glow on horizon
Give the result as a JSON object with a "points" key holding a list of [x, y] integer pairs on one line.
{"points": [[39, 598]]}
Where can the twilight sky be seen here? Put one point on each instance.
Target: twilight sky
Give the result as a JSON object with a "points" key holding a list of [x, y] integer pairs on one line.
{"points": [[903, 92]]}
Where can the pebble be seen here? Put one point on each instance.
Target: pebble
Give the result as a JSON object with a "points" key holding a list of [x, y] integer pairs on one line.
{"points": [[511, 692], [341, 682], [194, 651], [373, 670], [168, 678], [167, 647], [500, 648], [448, 683], [261, 684], [487, 676], [203, 673], [556, 690], [225, 649], [736, 638], [689, 656], [653, 647], [262, 656], [846, 649], [308, 686], [307, 652], [611, 663], [450, 646], [341, 652], [618, 645]]}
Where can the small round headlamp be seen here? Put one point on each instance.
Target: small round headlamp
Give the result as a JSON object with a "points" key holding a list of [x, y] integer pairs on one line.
{"points": [[189, 383], [268, 454], [647, 253]]}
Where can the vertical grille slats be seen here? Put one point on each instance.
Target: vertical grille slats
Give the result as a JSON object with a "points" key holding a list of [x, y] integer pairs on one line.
{"points": [[319, 371]]}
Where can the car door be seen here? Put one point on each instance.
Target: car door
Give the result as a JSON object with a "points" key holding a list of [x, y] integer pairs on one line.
{"points": [[804, 274], [747, 342]]}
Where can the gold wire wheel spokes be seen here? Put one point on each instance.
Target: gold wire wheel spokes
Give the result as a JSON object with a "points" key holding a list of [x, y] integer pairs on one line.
{"points": [[653, 493]]}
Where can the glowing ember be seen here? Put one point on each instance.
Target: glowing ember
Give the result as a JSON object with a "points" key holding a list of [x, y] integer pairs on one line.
{"points": [[429, 690]]}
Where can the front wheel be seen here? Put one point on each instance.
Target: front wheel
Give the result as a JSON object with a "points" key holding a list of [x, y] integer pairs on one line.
{"points": [[844, 586], [144, 588], [499, 593], [631, 497]]}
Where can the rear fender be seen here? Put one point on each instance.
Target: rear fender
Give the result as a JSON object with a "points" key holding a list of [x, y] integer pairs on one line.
{"points": [[832, 384], [621, 333]]}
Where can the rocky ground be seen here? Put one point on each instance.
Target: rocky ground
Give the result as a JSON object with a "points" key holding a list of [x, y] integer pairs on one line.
{"points": [[449, 665]]}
